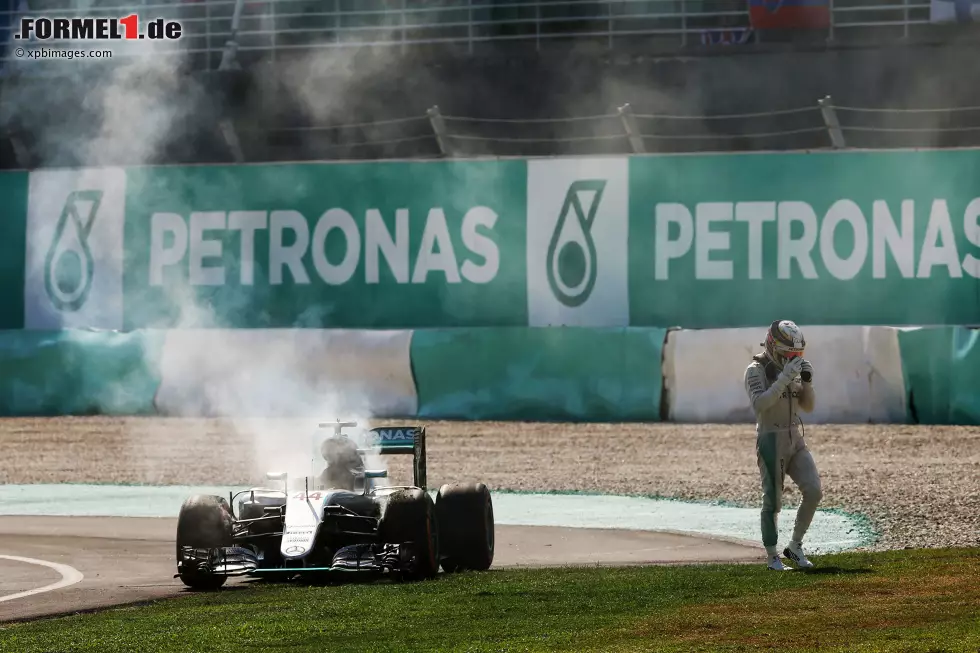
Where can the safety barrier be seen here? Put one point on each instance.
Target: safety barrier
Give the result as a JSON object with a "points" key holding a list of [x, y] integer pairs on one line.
{"points": [[243, 373], [78, 372], [857, 375], [862, 374], [286, 373], [942, 374], [579, 374], [13, 229]]}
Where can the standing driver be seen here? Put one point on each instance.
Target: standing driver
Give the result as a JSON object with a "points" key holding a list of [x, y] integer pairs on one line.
{"points": [[779, 383]]}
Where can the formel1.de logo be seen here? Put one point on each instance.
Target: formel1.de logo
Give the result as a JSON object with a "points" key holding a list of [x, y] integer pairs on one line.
{"points": [[127, 28]]}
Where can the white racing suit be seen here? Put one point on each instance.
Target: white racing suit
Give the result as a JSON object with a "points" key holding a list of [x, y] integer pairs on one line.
{"points": [[780, 447]]}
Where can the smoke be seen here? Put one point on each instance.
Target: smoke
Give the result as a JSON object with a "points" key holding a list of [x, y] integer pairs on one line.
{"points": [[273, 386], [144, 110]]}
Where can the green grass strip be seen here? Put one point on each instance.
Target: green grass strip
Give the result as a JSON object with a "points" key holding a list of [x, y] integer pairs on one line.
{"points": [[922, 600]]}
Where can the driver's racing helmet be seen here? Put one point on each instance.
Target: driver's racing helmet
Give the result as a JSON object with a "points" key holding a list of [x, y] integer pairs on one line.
{"points": [[343, 463], [783, 342]]}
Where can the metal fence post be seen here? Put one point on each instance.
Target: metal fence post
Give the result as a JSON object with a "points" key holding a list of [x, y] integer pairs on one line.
{"points": [[830, 120], [231, 139], [609, 16], [537, 26], [231, 46], [683, 23], [439, 129], [469, 26], [20, 151], [632, 132], [207, 23], [404, 30], [830, 30], [275, 29]]}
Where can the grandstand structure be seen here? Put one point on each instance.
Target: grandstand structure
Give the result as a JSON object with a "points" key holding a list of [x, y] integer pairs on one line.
{"points": [[272, 80]]}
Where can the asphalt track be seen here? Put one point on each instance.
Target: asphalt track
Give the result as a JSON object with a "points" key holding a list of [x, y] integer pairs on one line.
{"points": [[126, 560]]}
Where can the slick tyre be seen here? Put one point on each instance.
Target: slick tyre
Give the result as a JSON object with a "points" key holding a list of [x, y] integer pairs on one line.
{"points": [[205, 522], [466, 527], [410, 516]]}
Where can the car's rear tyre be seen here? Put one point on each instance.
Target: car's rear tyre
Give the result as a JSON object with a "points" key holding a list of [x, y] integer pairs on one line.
{"points": [[410, 516], [466, 526], [205, 522]]}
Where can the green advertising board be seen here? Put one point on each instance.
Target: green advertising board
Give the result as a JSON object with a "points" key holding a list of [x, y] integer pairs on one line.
{"points": [[387, 245], [873, 238], [395, 245], [702, 241]]}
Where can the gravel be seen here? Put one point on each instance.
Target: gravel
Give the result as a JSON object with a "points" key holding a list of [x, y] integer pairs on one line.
{"points": [[919, 485]]}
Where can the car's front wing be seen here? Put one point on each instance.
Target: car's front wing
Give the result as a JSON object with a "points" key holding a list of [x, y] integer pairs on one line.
{"points": [[358, 558], [223, 561]]}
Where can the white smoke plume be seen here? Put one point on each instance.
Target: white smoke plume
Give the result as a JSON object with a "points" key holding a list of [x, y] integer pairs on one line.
{"points": [[273, 386]]}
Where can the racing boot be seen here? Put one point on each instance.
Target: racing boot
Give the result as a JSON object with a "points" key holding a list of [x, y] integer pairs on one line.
{"points": [[795, 553], [775, 564]]}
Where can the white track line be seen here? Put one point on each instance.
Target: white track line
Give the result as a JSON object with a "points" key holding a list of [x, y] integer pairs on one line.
{"points": [[69, 576]]}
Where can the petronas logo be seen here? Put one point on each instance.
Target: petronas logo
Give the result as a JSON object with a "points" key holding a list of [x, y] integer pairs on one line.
{"points": [[68, 267], [572, 265]]}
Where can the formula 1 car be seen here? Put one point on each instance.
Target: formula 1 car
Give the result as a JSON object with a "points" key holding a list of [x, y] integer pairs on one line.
{"points": [[338, 520]]}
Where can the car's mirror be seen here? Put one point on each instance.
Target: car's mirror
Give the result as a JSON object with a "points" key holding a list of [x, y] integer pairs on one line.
{"points": [[376, 473], [276, 476]]}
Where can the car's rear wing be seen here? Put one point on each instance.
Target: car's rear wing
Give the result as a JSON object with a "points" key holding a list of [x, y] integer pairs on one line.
{"points": [[403, 440]]}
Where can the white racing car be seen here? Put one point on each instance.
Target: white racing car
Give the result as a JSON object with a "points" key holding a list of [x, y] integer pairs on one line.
{"points": [[338, 520]]}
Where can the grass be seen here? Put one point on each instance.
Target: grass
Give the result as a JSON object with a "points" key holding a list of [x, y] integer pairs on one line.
{"points": [[924, 600]]}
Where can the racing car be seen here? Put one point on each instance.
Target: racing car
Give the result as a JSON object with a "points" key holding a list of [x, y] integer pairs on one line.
{"points": [[338, 519]]}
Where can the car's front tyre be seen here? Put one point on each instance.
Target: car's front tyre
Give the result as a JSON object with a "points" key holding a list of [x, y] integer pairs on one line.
{"points": [[410, 516], [205, 522]]}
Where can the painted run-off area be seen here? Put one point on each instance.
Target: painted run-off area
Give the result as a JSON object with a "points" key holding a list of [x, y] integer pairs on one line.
{"points": [[829, 531]]}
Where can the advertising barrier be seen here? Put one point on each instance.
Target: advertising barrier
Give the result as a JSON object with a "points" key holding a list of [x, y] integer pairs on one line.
{"points": [[855, 238], [695, 241], [628, 246]]}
